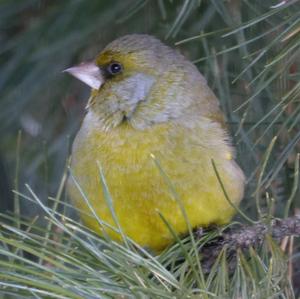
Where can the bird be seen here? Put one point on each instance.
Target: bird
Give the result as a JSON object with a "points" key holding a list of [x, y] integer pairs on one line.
{"points": [[154, 129]]}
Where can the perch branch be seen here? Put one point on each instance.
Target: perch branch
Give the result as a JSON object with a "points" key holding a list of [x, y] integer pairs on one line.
{"points": [[249, 236]]}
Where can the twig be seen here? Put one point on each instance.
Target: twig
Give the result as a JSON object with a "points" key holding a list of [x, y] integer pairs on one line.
{"points": [[248, 236]]}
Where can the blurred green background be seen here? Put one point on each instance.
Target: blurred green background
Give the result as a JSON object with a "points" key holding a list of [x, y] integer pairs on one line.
{"points": [[247, 50]]}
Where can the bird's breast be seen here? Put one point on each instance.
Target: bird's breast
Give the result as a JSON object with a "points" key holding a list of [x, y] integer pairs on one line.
{"points": [[137, 186]]}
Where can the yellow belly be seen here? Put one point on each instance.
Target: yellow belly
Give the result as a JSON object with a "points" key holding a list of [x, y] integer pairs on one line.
{"points": [[137, 187]]}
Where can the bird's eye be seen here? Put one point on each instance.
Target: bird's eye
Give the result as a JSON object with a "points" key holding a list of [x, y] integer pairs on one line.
{"points": [[114, 68]]}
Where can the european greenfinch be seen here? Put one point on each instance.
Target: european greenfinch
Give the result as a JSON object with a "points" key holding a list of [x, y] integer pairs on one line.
{"points": [[148, 100]]}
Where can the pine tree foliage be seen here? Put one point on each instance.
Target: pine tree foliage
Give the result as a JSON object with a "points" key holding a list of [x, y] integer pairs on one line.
{"points": [[249, 53]]}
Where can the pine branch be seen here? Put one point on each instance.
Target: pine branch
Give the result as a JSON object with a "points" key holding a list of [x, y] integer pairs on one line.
{"points": [[247, 237]]}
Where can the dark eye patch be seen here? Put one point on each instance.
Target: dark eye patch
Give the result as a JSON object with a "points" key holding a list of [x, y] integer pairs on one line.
{"points": [[112, 69]]}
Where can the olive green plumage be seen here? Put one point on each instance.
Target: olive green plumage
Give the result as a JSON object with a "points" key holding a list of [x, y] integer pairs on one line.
{"points": [[148, 100]]}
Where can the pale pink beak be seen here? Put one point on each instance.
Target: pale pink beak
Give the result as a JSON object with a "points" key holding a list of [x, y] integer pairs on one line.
{"points": [[87, 72]]}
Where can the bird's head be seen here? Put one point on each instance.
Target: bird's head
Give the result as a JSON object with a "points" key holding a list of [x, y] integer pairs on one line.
{"points": [[138, 79]]}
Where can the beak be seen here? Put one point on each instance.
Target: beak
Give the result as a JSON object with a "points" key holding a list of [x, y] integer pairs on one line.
{"points": [[87, 72]]}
